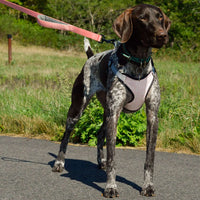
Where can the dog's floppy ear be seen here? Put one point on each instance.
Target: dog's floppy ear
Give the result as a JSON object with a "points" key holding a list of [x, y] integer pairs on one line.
{"points": [[123, 25], [167, 22]]}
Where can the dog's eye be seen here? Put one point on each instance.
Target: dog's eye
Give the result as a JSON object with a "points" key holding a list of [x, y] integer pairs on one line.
{"points": [[159, 16], [143, 18]]}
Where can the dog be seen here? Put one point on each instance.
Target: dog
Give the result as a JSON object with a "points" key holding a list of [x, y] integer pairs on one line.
{"points": [[122, 79]]}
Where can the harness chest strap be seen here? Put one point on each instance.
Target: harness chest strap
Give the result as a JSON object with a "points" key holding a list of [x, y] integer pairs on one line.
{"points": [[139, 88]]}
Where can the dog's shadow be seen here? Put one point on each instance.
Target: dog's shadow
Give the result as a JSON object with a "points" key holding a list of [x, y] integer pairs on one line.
{"points": [[88, 173]]}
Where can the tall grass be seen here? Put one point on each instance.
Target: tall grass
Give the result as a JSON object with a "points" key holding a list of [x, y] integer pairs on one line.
{"points": [[35, 89], [35, 93], [180, 105]]}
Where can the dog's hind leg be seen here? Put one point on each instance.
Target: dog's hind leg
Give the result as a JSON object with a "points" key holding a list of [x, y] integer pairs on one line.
{"points": [[79, 102], [101, 96], [100, 142]]}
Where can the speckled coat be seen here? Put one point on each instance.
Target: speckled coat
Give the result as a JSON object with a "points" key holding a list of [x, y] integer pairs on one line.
{"points": [[98, 78]]}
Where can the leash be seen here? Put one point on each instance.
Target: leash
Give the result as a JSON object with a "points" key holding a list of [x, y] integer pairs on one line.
{"points": [[49, 22]]}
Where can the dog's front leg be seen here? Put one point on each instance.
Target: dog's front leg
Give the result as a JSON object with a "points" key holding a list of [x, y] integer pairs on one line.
{"points": [[152, 106], [114, 104], [111, 186]]}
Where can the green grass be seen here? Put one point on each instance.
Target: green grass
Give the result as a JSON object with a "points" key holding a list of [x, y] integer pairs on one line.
{"points": [[35, 89], [180, 105], [35, 93]]}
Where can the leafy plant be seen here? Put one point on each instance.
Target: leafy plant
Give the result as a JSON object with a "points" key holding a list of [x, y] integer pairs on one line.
{"points": [[131, 127], [89, 124]]}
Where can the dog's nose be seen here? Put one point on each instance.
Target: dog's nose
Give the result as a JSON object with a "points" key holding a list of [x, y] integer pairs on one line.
{"points": [[161, 34]]}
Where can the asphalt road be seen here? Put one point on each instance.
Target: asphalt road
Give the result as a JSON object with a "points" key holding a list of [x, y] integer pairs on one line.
{"points": [[25, 173]]}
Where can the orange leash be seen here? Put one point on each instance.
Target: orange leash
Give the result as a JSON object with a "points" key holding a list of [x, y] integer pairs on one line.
{"points": [[49, 22]]}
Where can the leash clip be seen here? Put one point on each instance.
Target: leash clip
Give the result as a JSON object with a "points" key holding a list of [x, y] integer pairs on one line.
{"points": [[112, 41]]}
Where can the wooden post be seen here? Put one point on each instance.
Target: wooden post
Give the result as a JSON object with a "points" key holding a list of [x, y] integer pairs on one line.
{"points": [[9, 36]]}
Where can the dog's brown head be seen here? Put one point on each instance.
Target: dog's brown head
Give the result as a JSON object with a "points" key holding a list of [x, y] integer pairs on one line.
{"points": [[143, 24]]}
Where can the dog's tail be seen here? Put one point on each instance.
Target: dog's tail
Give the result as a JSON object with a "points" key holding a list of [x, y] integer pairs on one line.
{"points": [[87, 47]]}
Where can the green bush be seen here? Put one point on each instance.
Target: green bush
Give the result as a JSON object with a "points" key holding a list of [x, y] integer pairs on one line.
{"points": [[130, 131]]}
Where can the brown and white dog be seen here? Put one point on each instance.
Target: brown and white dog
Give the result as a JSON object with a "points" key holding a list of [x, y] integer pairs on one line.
{"points": [[123, 79]]}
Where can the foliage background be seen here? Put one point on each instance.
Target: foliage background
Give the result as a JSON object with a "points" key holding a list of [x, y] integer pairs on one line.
{"points": [[98, 16]]}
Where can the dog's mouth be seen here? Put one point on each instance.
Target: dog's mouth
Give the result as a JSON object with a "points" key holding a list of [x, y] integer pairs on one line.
{"points": [[155, 42], [155, 39], [158, 43]]}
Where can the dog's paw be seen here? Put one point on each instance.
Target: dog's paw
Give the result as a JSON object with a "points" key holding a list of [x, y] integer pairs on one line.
{"points": [[110, 193], [148, 191], [58, 166]]}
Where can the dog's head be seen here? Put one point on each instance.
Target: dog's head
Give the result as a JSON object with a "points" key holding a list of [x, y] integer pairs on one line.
{"points": [[145, 24]]}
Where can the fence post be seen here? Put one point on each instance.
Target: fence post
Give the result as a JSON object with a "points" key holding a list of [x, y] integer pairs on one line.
{"points": [[9, 36]]}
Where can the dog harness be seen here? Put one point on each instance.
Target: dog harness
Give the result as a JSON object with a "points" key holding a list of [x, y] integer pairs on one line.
{"points": [[138, 88]]}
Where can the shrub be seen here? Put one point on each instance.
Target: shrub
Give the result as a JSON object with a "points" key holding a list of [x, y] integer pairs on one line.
{"points": [[131, 127]]}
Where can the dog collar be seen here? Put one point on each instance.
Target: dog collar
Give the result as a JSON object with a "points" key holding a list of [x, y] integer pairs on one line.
{"points": [[127, 55]]}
